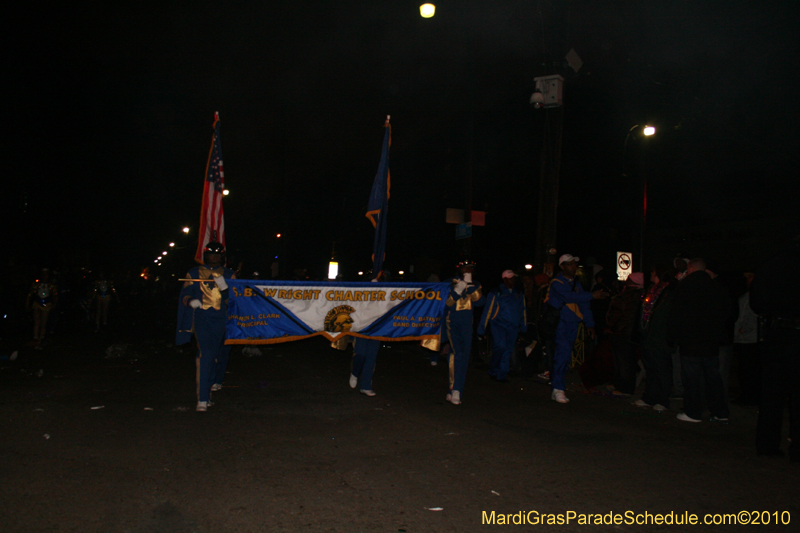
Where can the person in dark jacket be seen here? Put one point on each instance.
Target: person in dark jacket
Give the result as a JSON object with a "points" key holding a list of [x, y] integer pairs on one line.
{"points": [[656, 353], [776, 297], [620, 320], [696, 324], [600, 307]]}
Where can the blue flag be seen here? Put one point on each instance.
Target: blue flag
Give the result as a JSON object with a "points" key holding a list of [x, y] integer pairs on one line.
{"points": [[379, 203]]}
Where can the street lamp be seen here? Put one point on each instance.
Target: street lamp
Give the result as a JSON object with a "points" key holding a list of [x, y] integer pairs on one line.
{"points": [[427, 10], [647, 131]]}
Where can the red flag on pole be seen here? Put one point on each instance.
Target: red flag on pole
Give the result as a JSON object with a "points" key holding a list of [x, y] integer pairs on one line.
{"points": [[212, 223]]}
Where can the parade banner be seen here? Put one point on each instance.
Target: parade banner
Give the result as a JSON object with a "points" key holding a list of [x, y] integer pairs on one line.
{"points": [[267, 312]]}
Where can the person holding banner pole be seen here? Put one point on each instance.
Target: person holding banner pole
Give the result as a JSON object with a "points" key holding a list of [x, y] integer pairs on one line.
{"points": [[203, 311], [365, 353], [465, 294]]}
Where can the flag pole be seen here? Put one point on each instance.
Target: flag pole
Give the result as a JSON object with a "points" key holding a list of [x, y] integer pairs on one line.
{"points": [[212, 224], [379, 202]]}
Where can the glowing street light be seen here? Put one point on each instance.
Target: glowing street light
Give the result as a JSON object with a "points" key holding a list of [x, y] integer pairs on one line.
{"points": [[528, 266], [427, 10], [172, 245], [647, 131], [163, 253], [225, 192], [186, 230]]}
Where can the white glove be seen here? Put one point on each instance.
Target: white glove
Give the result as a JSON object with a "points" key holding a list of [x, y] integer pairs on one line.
{"points": [[461, 286], [195, 303], [221, 283]]}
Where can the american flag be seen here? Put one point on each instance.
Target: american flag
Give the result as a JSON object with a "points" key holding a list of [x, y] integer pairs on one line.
{"points": [[212, 223]]}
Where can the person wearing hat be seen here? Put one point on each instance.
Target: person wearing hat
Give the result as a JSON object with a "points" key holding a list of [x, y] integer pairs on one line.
{"points": [[202, 311], [620, 321], [465, 294], [505, 313], [567, 295]]}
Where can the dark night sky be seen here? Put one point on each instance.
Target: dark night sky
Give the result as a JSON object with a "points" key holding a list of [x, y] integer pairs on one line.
{"points": [[110, 123]]}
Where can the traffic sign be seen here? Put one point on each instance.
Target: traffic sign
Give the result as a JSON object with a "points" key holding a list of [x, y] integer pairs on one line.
{"points": [[624, 265]]}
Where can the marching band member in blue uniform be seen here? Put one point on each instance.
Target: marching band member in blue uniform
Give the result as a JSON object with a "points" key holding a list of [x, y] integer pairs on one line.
{"points": [[464, 295], [505, 313], [567, 294], [203, 311], [365, 354]]}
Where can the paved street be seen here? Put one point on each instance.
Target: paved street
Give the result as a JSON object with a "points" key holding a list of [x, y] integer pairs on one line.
{"points": [[107, 444]]}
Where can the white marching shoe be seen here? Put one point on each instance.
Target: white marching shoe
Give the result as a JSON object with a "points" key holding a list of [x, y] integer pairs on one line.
{"points": [[559, 396]]}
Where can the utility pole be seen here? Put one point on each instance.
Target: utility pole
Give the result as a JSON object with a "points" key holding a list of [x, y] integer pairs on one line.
{"points": [[548, 95]]}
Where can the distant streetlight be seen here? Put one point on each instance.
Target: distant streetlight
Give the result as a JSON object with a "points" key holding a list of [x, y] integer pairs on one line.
{"points": [[172, 245], [401, 272], [528, 266], [186, 230], [225, 192], [427, 10], [649, 130], [333, 270], [163, 253]]}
